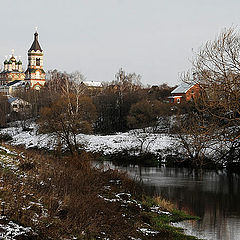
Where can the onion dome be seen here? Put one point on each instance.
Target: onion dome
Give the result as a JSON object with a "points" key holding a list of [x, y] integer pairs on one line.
{"points": [[19, 62], [13, 59], [6, 61], [10, 61]]}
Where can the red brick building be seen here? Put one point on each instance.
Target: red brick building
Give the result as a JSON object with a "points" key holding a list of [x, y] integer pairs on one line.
{"points": [[184, 93]]}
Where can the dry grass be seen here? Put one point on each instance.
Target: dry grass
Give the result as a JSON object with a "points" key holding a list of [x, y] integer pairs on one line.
{"points": [[164, 204], [62, 197], [59, 197]]}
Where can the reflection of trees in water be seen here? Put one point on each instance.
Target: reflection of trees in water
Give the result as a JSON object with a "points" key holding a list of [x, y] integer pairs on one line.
{"points": [[214, 196], [215, 199]]}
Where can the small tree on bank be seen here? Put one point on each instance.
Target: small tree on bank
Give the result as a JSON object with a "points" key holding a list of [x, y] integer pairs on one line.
{"points": [[196, 138], [67, 117]]}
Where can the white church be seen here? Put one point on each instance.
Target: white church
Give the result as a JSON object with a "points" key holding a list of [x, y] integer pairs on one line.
{"points": [[13, 77]]}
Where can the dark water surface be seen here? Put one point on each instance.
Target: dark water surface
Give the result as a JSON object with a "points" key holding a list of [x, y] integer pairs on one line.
{"points": [[213, 196]]}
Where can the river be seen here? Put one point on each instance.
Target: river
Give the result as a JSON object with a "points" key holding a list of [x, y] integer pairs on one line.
{"points": [[213, 196]]}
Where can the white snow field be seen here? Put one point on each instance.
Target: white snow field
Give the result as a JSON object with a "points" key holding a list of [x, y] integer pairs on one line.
{"points": [[105, 144], [160, 144]]}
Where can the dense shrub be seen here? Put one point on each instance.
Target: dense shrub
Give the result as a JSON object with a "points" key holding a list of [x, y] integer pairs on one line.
{"points": [[64, 197], [4, 137]]}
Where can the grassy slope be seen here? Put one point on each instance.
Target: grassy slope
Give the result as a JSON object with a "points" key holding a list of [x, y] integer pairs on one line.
{"points": [[64, 197]]}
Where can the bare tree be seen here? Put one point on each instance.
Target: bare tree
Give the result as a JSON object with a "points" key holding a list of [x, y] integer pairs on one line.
{"points": [[144, 118], [70, 111], [114, 102], [216, 69], [196, 138], [128, 81], [4, 110], [77, 77], [67, 117]]}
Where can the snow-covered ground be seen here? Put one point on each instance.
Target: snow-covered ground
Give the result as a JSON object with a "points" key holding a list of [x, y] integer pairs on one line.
{"points": [[10, 230], [9, 160], [105, 144], [124, 141], [131, 141]]}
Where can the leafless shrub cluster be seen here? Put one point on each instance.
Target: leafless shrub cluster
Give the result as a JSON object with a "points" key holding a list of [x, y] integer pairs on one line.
{"points": [[65, 197]]}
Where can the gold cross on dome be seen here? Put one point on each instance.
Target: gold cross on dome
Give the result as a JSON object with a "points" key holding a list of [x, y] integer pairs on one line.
{"points": [[12, 51]]}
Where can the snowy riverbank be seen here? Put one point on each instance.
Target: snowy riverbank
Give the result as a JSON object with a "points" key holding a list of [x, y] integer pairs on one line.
{"points": [[131, 142], [105, 144]]}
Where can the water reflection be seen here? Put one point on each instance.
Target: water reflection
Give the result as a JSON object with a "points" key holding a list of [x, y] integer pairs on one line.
{"points": [[214, 196]]}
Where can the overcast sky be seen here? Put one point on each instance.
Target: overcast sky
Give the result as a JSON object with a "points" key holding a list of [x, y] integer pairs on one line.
{"points": [[154, 38]]}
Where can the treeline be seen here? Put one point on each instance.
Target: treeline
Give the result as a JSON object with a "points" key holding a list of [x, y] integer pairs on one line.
{"points": [[67, 107], [124, 104], [206, 127], [117, 106]]}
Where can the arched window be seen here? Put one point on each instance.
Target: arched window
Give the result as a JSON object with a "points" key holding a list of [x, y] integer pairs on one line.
{"points": [[37, 61]]}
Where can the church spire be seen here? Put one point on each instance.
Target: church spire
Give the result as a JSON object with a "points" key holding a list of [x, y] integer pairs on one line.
{"points": [[35, 45], [35, 75]]}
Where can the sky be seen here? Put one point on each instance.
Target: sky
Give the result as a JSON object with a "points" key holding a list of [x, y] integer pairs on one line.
{"points": [[154, 38]]}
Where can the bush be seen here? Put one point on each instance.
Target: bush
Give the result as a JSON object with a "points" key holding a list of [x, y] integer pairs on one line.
{"points": [[4, 137], [144, 159], [69, 189]]}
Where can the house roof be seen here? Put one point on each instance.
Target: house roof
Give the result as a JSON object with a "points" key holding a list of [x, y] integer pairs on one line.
{"points": [[35, 45], [11, 99], [182, 88], [16, 83], [13, 82], [92, 83]]}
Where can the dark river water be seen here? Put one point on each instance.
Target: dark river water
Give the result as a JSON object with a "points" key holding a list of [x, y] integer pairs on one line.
{"points": [[213, 196]]}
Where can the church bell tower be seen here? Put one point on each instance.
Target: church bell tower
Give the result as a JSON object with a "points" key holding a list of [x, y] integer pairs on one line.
{"points": [[35, 75]]}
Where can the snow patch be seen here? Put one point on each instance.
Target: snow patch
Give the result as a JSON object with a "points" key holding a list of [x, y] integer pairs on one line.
{"points": [[10, 230]]}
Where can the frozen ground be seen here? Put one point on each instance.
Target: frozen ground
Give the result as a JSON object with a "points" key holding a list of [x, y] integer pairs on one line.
{"points": [[131, 141], [10, 230], [95, 143], [9, 160]]}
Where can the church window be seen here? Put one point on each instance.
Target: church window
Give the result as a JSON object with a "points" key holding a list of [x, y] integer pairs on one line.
{"points": [[38, 62]]}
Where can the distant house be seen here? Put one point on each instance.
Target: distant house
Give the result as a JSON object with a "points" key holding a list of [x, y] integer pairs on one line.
{"points": [[92, 88], [92, 84], [184, 92], [18, 105], [12, 86]]}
